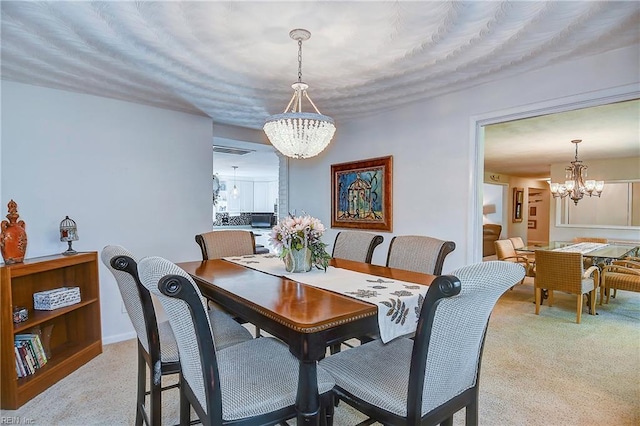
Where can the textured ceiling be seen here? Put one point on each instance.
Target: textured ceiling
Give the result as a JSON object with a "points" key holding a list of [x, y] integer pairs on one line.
{"points": [[235, 62]]}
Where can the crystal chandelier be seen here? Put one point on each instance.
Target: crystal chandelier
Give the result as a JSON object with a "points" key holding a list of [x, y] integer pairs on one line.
{"points": [[294, 133], [575, 186]]}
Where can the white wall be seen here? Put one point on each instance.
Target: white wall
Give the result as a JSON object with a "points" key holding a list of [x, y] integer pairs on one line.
{"points": [[127, 174], [436, 187]]}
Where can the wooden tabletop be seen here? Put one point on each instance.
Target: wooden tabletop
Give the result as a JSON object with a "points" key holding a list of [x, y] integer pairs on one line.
{"points": [[609, 251], [298, 306]]}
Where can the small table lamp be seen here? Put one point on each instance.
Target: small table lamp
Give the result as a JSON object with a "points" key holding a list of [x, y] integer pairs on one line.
{"points": [[68, 233]]}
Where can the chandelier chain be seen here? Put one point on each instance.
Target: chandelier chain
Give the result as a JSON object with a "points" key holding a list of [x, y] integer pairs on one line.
{"points": [[299, 61]]}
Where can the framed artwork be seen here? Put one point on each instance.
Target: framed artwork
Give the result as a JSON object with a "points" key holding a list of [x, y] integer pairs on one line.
{"points": [[531, 224], [532, 211], [518, 194], [361, 194]]}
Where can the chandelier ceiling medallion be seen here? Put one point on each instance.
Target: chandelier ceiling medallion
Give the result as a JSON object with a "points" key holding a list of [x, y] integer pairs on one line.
{"points": [[576, 186], [294, 133]]}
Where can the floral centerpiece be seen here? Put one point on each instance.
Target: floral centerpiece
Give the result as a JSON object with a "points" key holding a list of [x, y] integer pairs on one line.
{"points": [[297, 239]]}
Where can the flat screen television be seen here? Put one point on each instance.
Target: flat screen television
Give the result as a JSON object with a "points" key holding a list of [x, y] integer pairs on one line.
{"points": [[262, 220]]}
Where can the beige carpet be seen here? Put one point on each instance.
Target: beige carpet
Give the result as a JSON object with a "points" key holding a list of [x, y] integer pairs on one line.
{"points": [[537, 370]]}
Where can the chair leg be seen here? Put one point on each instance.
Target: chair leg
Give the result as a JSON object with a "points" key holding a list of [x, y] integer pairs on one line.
{"points": [[185, 407], [592, 306], [471, 413], [608, 291], [579, 314], [155, 398], [447, 422], [142, 388], [538, 297], [328, 409], [550, 297]]}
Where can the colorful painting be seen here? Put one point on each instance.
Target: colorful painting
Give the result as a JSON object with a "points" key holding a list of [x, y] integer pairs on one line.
{"points": [[361, 194]]}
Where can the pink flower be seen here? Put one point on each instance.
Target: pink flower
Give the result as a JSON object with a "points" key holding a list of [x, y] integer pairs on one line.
{"points": [[296, 232]]}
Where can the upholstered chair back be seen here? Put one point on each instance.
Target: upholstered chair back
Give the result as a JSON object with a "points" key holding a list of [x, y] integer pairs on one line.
{"points": [[418, 253], [590, 240], [517, 242], [219, 244], [151, 270], [557, 270], [455, 339], [132, 292], [505, 249], [356, 246]]}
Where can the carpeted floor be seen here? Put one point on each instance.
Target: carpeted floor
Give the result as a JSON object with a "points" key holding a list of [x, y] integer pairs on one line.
{"points": [[536, 370]]}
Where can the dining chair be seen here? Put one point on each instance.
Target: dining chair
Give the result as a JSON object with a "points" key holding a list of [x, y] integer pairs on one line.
{"points": [[518, 245], [157, 348], [507, 253], [415, 253], [418, 253], [564, 271], [356, 246], [359, 247], [590, 240], [517, 242], [251, 383], [225, 243], [620, 275], [426, 380]]}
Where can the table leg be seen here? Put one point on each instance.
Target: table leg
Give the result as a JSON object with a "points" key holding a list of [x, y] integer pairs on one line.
{"points": [[308, 400]]}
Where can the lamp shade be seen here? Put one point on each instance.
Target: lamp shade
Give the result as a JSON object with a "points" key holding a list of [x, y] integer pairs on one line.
{"points": [[488, 208], [300, 134]]}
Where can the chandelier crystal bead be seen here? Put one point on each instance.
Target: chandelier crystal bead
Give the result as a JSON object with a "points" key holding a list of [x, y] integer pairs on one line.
{"points": [[295, 133], [575, 185]]}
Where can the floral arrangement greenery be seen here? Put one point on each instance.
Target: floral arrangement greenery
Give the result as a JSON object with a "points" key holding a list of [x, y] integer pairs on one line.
{"points": [[298, 232]]}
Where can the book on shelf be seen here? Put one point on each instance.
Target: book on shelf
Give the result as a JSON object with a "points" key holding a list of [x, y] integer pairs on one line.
{"points": [[30, 355], [36, 346], [25, 357], [19, 366]]}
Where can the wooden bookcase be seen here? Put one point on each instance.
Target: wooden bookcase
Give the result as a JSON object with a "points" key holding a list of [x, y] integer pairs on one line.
{"points": [[76, 334]]}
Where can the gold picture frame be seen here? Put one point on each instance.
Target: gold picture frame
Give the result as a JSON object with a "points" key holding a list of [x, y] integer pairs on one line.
{"points": [[361, 194], [518, 204]]}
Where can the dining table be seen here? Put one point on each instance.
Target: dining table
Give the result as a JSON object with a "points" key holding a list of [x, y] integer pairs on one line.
{"points": [[307, 318], [600, 253]]}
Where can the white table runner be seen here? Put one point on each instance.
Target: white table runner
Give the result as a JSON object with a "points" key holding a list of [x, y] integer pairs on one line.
{"points": [[581, 247], [399, 302]]}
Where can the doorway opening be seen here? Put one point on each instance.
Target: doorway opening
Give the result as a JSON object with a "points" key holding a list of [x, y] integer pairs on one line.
{"points": [[479, 140]]}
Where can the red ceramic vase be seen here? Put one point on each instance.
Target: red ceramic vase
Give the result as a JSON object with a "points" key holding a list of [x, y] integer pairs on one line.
{"points": [[13, 239]]}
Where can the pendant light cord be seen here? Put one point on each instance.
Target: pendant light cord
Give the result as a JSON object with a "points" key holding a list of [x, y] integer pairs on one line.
{"points": [[300, 61]]}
